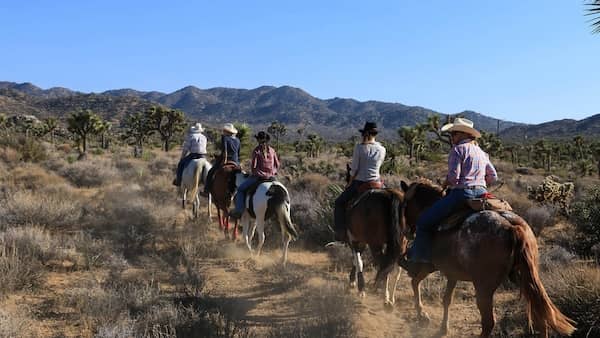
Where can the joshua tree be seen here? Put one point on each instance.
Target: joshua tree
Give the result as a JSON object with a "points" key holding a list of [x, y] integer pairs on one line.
{"points": [[167, 122], [103, 130], [278, 130], [578, 142], [413, 137], [50, 124], [82, 124], [433, 122], [314, 145], [137, 129]]}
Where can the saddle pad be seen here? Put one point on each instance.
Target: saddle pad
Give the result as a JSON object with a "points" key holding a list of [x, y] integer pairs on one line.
{"points": [[495, 204]]}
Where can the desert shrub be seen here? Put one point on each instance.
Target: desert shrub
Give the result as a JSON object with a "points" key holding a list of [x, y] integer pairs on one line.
{"points": [[33, 177], [65, 148], [89, 173], [122, 328], [576, 292], [586, 216], [9, 155], [540, 216], [14, 324], [130, 220], [19, 267], [54, 207], [28, 149], [313, 182], [553, 192], [553, 256], [314, 216], [161, 165]]}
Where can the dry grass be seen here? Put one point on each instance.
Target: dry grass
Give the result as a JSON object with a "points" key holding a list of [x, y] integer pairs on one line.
{"points": [[15, 323], [90, 173]]}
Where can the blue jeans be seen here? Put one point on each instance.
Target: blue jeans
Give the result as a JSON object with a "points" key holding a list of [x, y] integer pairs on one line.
{"points": [[240, 196], [434, 215], [339, 211]]}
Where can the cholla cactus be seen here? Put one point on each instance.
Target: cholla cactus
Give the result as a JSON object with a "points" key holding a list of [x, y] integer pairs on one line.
{"points": [[551, 191]]}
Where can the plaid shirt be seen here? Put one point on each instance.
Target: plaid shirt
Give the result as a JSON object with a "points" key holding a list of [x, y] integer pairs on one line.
{"points": [[264, 162], [469, 166]]}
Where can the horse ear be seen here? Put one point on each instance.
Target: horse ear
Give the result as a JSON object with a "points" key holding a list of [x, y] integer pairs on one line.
{"points": [[404, 186]]}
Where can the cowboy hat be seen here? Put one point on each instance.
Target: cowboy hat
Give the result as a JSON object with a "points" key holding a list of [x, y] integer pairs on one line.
{"points": [[262, 136], [228, 127], [461, 125], [196, 128], [369, 127]]}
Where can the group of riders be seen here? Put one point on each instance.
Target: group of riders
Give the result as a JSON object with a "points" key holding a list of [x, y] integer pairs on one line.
{"points": [[469, 173]]}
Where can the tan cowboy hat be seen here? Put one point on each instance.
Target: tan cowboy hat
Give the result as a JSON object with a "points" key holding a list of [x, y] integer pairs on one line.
{"points": [[196, 128], [462, 125], [228, 127]]}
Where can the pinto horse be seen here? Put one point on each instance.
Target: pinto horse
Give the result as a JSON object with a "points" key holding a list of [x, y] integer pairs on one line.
{"points": [[194, 174], [485, 249], [222, 191], [270, 200]]}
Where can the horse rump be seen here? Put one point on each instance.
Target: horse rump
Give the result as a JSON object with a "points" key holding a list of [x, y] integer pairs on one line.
{"points": [[278, 206]]}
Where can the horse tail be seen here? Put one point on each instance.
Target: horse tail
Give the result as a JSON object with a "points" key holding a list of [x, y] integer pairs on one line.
{"points": [[393, 250], [196, 181], [279, 205], [541, 312]]}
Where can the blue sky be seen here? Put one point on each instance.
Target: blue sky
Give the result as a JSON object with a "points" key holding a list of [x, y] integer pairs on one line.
{"points": [[521, 60]]}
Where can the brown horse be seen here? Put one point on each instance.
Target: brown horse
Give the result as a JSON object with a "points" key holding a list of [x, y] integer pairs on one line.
{"points": [[222, 191], [485, 249], [374, 219]]}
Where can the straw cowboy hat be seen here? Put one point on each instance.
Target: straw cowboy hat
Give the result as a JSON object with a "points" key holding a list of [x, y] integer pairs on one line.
{"points": [[228, 127], [369, 127], [462, 125], [196, 128]]}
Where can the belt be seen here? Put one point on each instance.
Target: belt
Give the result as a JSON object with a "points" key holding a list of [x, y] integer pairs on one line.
{"points": [[471, 187]]}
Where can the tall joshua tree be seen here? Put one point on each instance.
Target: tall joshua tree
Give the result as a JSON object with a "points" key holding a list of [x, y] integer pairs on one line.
{"points": [[167, 122], [82, 124]]}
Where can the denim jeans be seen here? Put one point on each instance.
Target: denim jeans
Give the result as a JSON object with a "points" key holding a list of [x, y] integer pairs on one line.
{"points": [[240, 196], [339, 212], [434, 215]]}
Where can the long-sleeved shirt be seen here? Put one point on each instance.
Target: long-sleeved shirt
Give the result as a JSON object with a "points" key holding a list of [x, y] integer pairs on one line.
{"points": [[230, 148], [195, 143], [469, 166], [264, 162], [366, 161]]}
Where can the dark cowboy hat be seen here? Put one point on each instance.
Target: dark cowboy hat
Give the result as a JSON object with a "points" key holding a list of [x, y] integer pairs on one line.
{"points": [[262, 136], [370, 127]]}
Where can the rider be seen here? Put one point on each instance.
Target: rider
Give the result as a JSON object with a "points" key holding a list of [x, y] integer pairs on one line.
{"points": [[230, 152], [194, 147], [366, 161], [264, 166], [469, 172]]}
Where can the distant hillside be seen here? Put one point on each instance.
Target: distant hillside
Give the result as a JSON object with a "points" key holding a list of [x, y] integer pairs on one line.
{"points": [[558, 129], [337, 118]]}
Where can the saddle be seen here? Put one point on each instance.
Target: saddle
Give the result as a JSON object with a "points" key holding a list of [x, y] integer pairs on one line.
{"points": [[369, 185], [252, 190], [484, 202]]}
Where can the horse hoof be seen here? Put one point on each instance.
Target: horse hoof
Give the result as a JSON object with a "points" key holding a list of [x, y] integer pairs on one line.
{"points": [[443, 332], [362, 294], [424, 318], [388, 307]]}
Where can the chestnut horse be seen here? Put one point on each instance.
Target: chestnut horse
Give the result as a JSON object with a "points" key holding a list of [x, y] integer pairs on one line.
{"points": [[222, 191], [485, 249]]}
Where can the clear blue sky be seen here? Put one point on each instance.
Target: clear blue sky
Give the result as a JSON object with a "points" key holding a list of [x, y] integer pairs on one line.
{"points": [[521, 60]]}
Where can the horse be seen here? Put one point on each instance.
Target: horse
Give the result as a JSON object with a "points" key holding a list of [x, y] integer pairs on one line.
{"points": [[270, 200], [194, 174], [485, 249], [374, 220], [222, 191]]}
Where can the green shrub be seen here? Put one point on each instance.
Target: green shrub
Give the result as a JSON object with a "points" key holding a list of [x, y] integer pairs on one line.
{"points": [[586, 216]]}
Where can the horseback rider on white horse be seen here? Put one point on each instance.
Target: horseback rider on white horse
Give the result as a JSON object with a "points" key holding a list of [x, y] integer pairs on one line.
{"points": [[194, 147], [269, 200]]}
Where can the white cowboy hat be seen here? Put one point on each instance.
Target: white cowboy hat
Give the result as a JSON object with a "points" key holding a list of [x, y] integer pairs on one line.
{"points": [[228, 127], [462, 125], [196, 128]]}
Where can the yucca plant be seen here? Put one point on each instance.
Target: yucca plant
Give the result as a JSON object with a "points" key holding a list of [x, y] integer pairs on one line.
{"points": [[593, 10]]}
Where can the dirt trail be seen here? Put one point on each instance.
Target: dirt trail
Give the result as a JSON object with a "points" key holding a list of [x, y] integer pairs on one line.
{"points": [[263, 294]]}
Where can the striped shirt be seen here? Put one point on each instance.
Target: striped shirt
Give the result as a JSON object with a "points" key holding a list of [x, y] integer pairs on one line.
{"points": [[469, 166], [366, 161]]}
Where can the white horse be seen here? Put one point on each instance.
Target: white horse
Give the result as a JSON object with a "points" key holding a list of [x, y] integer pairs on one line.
{"points": [[271, 200], [194, 174]]}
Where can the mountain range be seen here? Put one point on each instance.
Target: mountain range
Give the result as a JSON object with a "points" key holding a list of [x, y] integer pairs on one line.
{"points": [[336, 118]]}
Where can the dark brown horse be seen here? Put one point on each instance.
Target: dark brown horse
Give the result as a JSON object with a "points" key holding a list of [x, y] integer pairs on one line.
{"points": [[485, 249], [222, 191], [374, 219]]}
